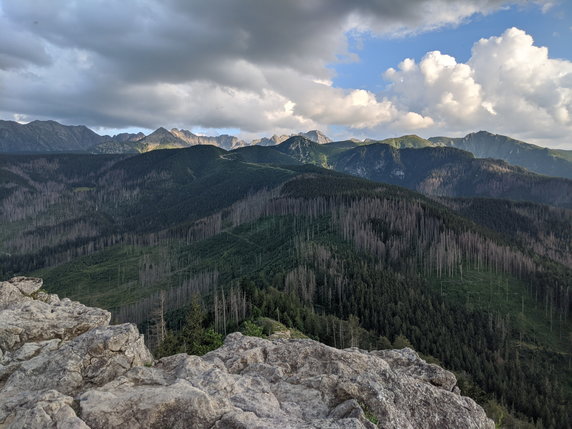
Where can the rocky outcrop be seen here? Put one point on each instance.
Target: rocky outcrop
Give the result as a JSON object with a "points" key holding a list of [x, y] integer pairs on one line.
{"points": [[52, 350], [82, 373], [29, 316]]}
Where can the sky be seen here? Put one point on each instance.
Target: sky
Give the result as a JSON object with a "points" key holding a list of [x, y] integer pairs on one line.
{"points": [[361, 68]]}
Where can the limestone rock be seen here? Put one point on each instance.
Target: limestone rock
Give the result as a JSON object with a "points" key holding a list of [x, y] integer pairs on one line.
{"points": [[51, 350], [43, 409], [80, 373], [26, 318], [93, 358], [26, 285], [407, 362], [256, 383]]}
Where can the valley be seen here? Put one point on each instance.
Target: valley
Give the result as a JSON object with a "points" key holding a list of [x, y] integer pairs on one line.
{"points": [[479, 285]]}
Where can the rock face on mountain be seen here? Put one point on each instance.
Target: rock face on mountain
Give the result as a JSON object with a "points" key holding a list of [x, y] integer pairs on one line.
{"points": [[316, 136], [79, 372]]}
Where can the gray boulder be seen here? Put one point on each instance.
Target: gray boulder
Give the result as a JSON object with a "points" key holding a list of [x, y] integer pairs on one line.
{"points": [[27, 315]]}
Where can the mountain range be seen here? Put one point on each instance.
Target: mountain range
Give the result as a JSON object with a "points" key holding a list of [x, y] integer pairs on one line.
{"points": [[50, 136], [436, 171]]}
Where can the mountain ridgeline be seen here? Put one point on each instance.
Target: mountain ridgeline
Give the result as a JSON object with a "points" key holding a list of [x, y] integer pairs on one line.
{"points": [[436, 171], [534, 158], [480, 286], [46, 137], [50, 136], [314, 135], [53, 137]]}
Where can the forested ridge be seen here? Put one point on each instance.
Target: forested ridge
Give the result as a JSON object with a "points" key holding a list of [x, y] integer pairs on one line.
{"points": [[194, 241]]}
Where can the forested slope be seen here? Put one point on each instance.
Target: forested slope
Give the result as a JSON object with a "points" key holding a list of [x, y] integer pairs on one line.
{"points": [[431, 170], [344, 260]]}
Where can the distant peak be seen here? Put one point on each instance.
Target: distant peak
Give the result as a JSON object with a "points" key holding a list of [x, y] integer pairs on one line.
{"points": [[161, 132], [316, 136], [481, 133], [49, 121]]}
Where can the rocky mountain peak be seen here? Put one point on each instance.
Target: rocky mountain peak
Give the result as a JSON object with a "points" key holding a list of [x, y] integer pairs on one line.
{"points": [[316, 136], [160, 132], [63, 365]]}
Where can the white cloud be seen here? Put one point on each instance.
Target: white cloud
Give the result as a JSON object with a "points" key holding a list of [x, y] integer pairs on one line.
{"points": [[547, 6], [438, 82], [413, 121], [508, 86]]}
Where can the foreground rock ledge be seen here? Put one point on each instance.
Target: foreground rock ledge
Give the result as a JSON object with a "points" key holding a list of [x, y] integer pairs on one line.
{"points": [[63, 366]]}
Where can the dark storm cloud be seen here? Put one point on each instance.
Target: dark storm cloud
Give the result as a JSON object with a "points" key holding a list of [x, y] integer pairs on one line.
{"points": [[19, 48]]}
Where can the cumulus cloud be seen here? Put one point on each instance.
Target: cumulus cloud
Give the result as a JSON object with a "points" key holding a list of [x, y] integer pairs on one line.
{"points": [[257, 65], [509, 86]]}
